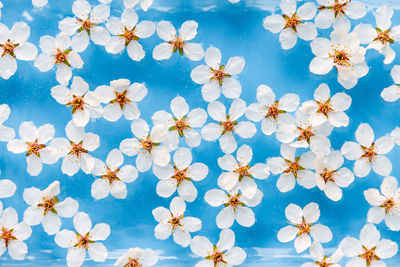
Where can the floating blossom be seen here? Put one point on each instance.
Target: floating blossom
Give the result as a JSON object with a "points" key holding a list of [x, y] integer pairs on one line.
{"points": [[178, 43], [84, 104], [33, 143], [392, 93], [6, 133], [74, 151], [322, 260], [174, 222], [39, 3], [370, 250], [12, 234], [342, 52], [84, 239], [368, 153], [14, 45], [46, 208], [178, 176], [222, 254], [386, 206], [293, 169], [240, 173], [304, 227], [272, 112], [127, 34], [325, 108], [292, 23], [86, 22], [147, 146], [144, 4], [112, 176], [228, 126], [57, 51], [216, 77], [136, 257], [181, 122], [236, 207], [121, 98], [381, 37]]}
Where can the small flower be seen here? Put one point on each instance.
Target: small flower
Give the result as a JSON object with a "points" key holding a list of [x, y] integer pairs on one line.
{"points": [[112, 176], [386, 206], [84, 239], [222, 254], [178, 43], [228, 126], [173, 221], [215, 76], [370, 250], [6, 133], [292, 23], [144, 4], [392, 93], [368, 153], [84, 104], [46, 208], [136, 257], [179, 175], [322, 260], [304, 227]]}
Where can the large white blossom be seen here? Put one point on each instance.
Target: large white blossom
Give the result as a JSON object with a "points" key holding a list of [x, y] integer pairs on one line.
{"points": [[144, 4], [321, 259], [392, 93], [136, 257], [6, 133]]}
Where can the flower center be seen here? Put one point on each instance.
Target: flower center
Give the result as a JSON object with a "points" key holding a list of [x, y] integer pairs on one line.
{"points": [[48, 204], [87, 25], [34, 148], [121, 99], [129, 35], [369, 152], [180, 126], [180, 175], [324, 107], [7, 235], [305, 134], [76, 149], [147, 144], [178, 44], [340, 58], [8, 48], [77, 103], [293, 167], [234, 201], [219, 74], [243, 171], [61, 57], [110, 175], [292, 22], [274, 111], [83, 241], [369, 255], [340, 9], [304, 228], [217, 257], [228, 125], [323, 263], [176, 222], [133, 263], [389, 204], [328, 175]]}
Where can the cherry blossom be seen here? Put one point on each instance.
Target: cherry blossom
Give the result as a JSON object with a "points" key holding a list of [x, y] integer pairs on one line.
{"points": [[322, 260], [304, 227], [227, 126], [85, 25], [217, 77], [370, 250], [84, 239], [174, 222], [14, 45], [293, 23], [178, 176], [137, 257], [46, 208], [6, 133], [112, 176], [222, 254], [84, 104], [392, 93], [144, 4], [368, 153]]}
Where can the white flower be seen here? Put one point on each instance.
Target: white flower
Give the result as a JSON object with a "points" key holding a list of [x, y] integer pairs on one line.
{"points": [[174, 42], [39, 3], [342, 52], [84, 239], [320, 259], [368, 153], [392, 93], [57, 51], [236, 207], [336, 12], [326, 108], [222, 254], [292, 23], [84, 103], [86, 22], [381, 37], [33, 143], [144, 4], [137, 257], [179, 175], [12, 234], [272, 112], [6, 133], [330, 177], [74, 151], [121, 99], [240, 173], [147, 146], [293, 169], [304, 227], [46, 208], [215, 76], [173, 221], [386, 206], [370, 250], [112, 176], [227, 127], [181, 122], [127, 34], [13, 44]]}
